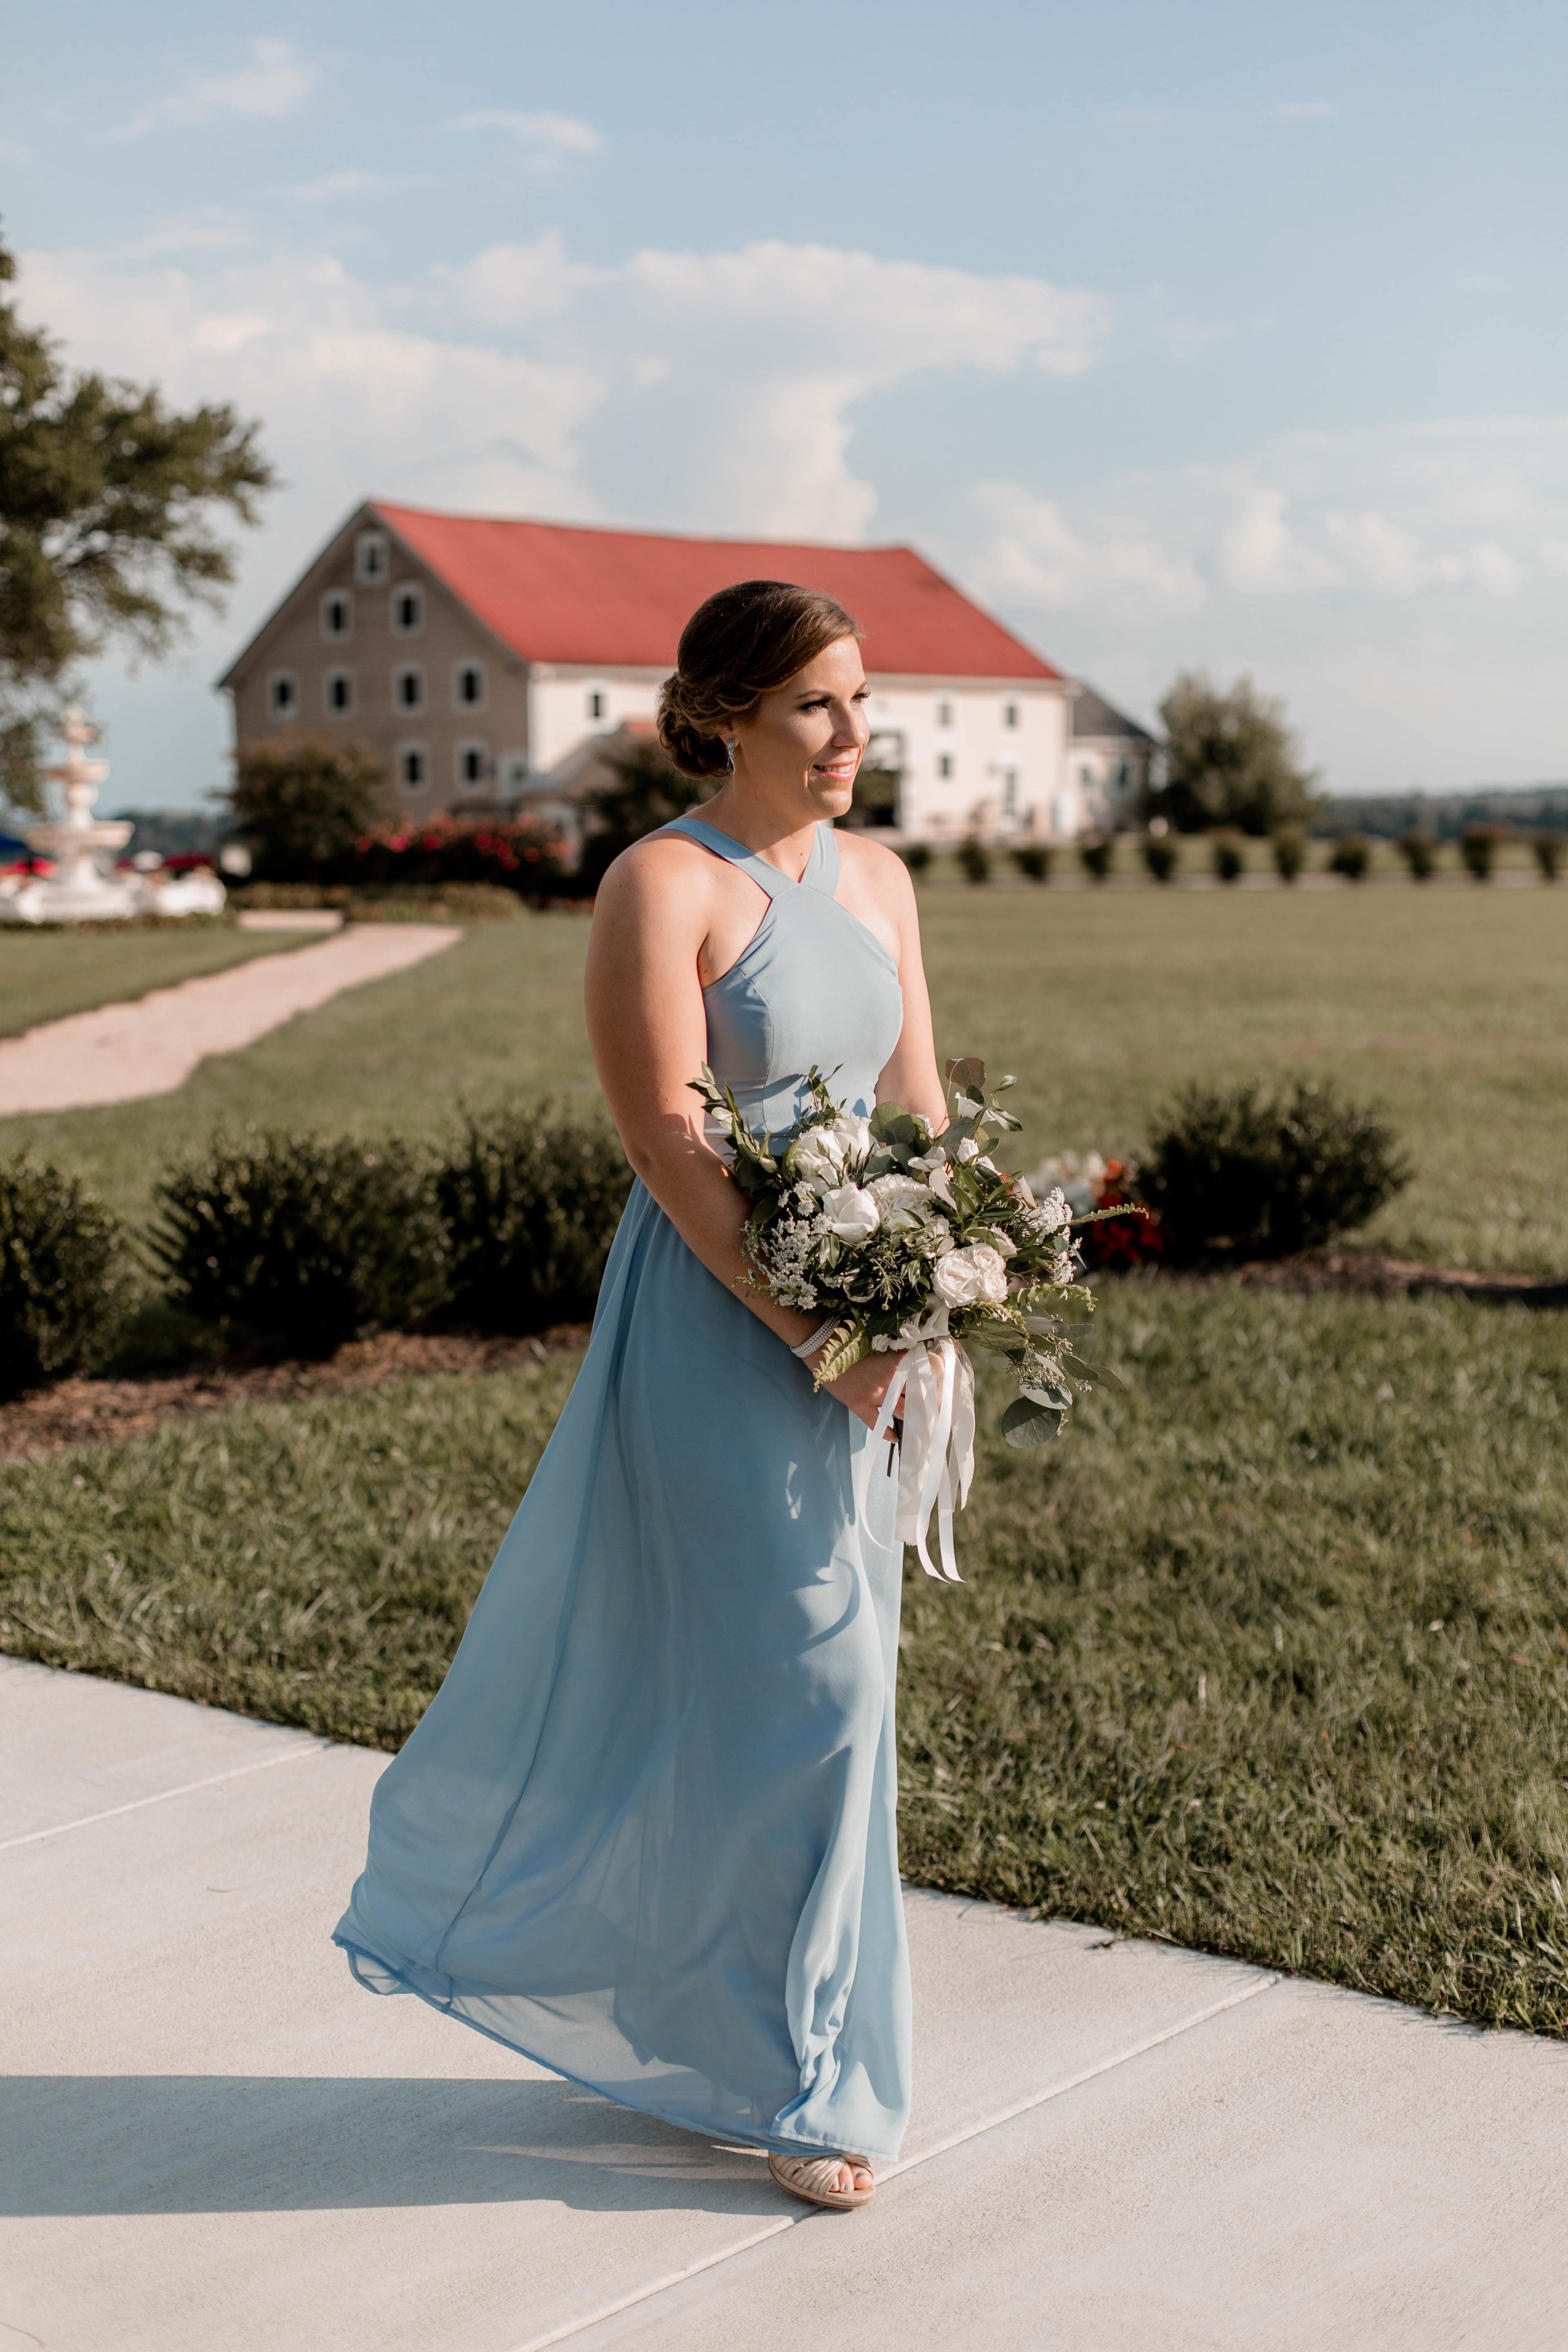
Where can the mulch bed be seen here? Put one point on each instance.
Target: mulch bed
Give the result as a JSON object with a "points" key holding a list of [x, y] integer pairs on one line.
{"points": [[104, 1412], [107, 1412]]}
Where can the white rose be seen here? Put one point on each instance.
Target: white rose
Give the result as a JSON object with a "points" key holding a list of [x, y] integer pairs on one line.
{"points": [[968, 1149], [850, 1212], [819, 1158], [965, 1107], [853, 1135], [970, 1278]]}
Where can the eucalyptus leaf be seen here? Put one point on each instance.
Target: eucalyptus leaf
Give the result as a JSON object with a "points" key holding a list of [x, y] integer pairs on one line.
{"points": [[1027, 1423], [967, 1076]]}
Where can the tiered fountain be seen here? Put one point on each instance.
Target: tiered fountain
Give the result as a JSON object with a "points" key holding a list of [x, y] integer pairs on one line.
{"points": [[80, 890]]}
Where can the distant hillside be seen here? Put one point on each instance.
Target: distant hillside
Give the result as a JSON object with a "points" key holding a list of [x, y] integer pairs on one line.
{"points": [[173, 833], [1533, 807]]}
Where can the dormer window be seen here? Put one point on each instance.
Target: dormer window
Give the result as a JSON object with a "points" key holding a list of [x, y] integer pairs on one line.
{"points": [[283, 694], [371, 555], [469, 686], [408, 612], [337, 614]]}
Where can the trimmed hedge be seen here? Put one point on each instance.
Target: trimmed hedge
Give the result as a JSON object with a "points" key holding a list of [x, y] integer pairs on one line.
{"points": [[1250, 1171], [530, 1199], [64, 1278], [293, 1238]]}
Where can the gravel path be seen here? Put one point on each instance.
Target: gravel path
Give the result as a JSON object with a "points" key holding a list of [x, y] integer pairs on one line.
{"points": [[120, 1053]]}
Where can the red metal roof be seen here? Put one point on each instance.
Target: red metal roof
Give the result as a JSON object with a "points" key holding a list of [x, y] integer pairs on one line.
{"points": [[559, 593]]}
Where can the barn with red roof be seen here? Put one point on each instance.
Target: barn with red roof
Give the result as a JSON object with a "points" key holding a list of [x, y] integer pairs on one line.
{"points": [[484, 659]]}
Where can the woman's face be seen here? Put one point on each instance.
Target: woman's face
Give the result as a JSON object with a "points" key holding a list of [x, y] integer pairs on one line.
{"points": [[802, 745]]}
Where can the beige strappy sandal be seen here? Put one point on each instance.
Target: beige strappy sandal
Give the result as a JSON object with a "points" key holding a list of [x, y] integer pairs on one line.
{"points": [[812, 2178]]}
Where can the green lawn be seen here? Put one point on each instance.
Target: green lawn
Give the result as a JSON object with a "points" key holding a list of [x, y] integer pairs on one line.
{"points": [[1268, 1655], [44, 975], [1449, 1007]]}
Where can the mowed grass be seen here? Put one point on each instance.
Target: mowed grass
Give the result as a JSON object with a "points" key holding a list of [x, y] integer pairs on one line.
{"points": [[1449, 1007], [44, 975], [498, 1014], [1269, 1655]]}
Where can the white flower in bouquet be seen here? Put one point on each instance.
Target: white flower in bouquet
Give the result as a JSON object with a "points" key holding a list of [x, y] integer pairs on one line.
{"points": [[827, 1156], [972, 1276], [1056, 1212], [903, 1199], [850, 1212]]}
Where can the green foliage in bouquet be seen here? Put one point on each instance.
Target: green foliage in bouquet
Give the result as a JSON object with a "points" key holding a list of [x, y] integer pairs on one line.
{"points": [[914, 1235]]}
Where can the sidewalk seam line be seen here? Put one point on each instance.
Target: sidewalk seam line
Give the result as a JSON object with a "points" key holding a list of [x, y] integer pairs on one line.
{"points": [[955, 2139], [162, 1796]]}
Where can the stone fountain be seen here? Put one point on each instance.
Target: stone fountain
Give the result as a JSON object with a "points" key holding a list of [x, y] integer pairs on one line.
{"points": [[80, 890]]}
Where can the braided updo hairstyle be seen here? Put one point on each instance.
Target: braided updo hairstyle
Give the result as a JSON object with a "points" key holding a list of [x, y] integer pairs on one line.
{"points": [[742, 644]]}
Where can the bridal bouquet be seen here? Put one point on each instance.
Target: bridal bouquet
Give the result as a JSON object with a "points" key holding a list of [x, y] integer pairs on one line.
{"points": [[923, 1245]]}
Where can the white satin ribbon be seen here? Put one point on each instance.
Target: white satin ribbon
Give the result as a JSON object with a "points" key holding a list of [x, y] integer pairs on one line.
{"points": [[935, 1381]]}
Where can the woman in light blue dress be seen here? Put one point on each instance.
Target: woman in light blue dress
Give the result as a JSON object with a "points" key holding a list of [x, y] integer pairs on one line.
{"points": [[646, 1834]]}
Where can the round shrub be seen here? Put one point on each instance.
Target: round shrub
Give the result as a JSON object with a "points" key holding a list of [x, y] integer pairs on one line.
{"points": [[1034, 861], [917, 856], [1479, 846], [1097, 855], [1252, 1172], [1351, 857], [294, 1238], [1419, 852], [1288, 844], [530, 1199], [64, 1276], [1548, 848], [1226, 855], [1161, 855], [974, 860]]}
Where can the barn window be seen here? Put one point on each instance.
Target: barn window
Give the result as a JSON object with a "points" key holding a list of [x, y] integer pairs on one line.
{"points": [[407, 613], [283, 694], [469, 686], [340, 692], [337, 613], [473, 763], [408, 688], [412, 767], [369, 557]]}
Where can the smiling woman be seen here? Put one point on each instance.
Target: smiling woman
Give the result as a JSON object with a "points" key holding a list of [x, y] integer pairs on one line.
{"points": [[646, 1832]]}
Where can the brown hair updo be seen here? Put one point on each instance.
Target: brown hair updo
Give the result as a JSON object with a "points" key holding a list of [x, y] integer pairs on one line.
{"points": [[742, 644]]}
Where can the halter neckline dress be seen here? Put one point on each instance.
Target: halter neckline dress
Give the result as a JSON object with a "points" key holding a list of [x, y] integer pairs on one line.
{"points": [[646, 1833]]}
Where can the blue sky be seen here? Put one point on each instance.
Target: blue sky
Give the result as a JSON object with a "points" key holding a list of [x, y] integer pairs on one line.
{"points": [[1212, 336]]}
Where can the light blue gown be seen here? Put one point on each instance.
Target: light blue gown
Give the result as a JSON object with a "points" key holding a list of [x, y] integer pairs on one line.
{"points": [[646, 1833]]}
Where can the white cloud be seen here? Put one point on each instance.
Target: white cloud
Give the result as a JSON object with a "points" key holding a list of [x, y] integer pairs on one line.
{"points": [[274, 83], [547, 140], [1261, 554], [688, 389], [1305, 110], [353, 183], [1030, 556]]}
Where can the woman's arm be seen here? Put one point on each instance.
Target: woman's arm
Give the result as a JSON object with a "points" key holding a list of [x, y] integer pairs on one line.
{"points": [[648, 1031]]}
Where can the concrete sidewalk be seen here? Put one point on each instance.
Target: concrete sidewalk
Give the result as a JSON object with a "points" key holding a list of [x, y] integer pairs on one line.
{"points": [[213, 2138]]}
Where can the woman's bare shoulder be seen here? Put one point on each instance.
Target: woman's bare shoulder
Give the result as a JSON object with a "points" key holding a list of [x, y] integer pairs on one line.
{"points": [[876, 868], [662, 865]]}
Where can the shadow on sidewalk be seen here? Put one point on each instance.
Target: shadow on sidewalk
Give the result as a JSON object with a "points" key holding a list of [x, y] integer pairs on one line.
{"points": [[250, 2143]]}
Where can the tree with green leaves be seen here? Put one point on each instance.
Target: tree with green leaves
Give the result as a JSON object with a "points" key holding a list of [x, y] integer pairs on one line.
{"points": [[648, 790], [1230, 760], [300, 803], [105, 536]]}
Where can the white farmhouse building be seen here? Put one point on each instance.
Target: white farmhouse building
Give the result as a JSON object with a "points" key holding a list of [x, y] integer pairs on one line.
{"points": [[480, 657]]}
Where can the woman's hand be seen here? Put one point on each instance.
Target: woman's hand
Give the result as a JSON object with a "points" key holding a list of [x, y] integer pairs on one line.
{"points": [[863, 1387]]}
